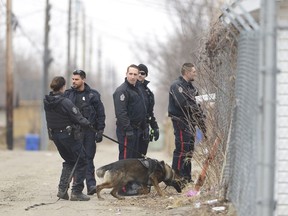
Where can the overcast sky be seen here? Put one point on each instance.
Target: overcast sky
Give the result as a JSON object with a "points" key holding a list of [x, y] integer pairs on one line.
{"points": [[116, 22]]}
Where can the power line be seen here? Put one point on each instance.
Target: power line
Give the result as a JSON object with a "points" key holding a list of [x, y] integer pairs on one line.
{"points": [[31, 13], [35, 46], [17, 24]]}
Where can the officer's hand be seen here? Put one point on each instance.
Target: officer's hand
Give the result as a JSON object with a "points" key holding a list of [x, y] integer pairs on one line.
{"points": [[130, 136], [99, 136], [156, 134]]}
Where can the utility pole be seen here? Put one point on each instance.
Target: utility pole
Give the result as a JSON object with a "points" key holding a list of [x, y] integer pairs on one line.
{"points": [[76, 33], [90, 48], [83, 38], [99, 68], [9, 77], [69, 45], [46, 63]]}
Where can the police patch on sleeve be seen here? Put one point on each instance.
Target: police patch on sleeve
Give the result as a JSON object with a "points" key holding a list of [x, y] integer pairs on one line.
{"points": [[74, 110], [122, 97], [180, 89]]}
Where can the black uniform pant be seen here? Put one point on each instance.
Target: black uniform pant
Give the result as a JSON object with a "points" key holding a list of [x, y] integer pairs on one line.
{"points": [[128, 148], [184, 147], [90, 148], [144, 140], [70, 149]]}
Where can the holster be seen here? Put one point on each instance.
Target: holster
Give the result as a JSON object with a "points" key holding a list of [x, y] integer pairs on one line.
{"points": [[77, 132]]}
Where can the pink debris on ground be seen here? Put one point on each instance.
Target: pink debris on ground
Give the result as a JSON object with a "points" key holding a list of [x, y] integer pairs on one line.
{"points": [[192, 193]]}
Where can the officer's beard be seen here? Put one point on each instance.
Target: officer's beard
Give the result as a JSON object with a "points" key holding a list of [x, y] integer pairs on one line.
{"points": [[74, 87]]}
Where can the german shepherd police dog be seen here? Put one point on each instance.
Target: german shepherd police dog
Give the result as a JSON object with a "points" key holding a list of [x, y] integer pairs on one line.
{"points": [[146, 172]]}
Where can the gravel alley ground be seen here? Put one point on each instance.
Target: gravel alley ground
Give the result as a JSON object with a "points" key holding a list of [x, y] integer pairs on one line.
{"points": [[31, 177]]}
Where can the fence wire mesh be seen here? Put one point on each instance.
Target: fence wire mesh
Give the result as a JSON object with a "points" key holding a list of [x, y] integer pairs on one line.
{"points": [[231, 66], [240, 172]]}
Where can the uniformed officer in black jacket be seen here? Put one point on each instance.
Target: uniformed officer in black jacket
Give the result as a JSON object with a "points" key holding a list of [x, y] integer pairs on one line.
{"points": [[185, 114], [130, 113], [91, 107], [63, 121], [150, 118]]}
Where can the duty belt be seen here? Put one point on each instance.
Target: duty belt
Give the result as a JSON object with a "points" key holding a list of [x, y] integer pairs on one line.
{"points": [[60, 130]]}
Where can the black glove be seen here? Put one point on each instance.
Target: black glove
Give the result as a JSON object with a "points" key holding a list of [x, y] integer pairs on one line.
{"points": [[99, 136], [154, 133], [130, 136]]}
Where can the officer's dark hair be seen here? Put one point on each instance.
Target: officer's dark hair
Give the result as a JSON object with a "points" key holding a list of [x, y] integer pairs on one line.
{"points": [[186, 67], [133, 66], [80, 72], [57, 83]]}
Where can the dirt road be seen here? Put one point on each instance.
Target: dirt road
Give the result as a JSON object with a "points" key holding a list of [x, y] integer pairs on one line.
{"points": [[31, 177]]}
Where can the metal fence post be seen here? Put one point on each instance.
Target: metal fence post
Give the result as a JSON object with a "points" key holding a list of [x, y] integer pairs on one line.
{"points": [[267, 160]]}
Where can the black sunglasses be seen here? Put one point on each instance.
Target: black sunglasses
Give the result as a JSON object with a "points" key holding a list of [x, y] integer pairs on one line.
{"points": [[142, 73]]}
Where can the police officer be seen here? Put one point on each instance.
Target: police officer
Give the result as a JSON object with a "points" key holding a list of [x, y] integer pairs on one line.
{"points": [[61, 114], [130, 113], [150, 118], [185, 115], [91, 107]]}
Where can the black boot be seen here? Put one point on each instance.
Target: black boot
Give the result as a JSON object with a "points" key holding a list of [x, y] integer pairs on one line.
{"points": [[64, 183], [91, 190], [79, 196], [63, 194]]}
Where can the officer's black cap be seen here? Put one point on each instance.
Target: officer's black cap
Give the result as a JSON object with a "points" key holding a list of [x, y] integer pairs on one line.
{"points": [[143, 67]]}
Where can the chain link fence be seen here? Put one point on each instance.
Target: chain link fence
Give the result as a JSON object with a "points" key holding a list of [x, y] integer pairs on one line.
{"points": [[230, 63], [230, 67], [240, 173]]}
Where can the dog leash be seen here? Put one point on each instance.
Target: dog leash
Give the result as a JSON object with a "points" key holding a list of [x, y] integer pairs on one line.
{"points": [[110, 138]]}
